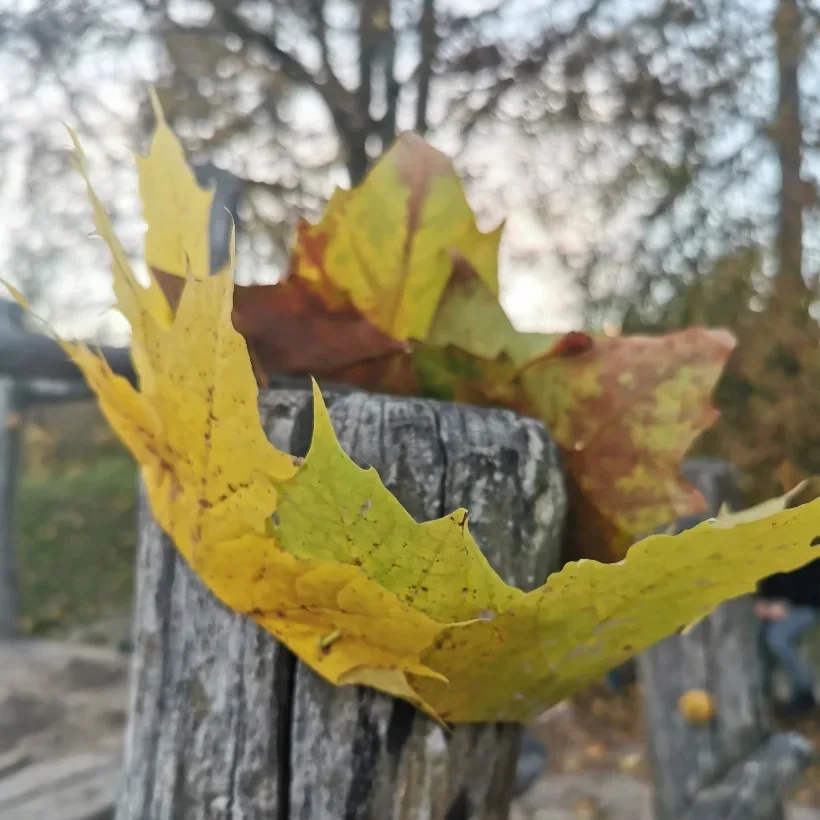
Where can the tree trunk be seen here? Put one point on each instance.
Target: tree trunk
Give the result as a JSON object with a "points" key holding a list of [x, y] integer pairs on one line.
{"points": [[226, 723], [790, 290], [732, 766]]}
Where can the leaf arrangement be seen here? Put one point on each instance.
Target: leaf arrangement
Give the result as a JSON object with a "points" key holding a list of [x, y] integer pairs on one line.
{"points": [[318, 552], [396, 290]]}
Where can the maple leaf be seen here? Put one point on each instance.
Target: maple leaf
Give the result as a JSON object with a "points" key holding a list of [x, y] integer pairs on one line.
{"points": [[302, 324], [175, 208], [196, 410], [326, 559], [590, 617], [290, 328], [145, 308], [389, 244], [624, 410]]}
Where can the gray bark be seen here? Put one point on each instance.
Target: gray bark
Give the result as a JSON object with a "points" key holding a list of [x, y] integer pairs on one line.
{"points": [[224, 722], [734, 766]]}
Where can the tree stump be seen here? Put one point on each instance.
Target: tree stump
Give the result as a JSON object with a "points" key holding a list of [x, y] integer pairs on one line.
{"points": [[226, 723], [732, 766]]}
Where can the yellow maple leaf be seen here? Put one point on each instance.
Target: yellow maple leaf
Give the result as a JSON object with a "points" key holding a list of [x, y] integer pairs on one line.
{"points": [[176, 210], [334, 510], [390, 243], [212, 479], [215, 503], [145, 308], [324, 557], [589, 617]]}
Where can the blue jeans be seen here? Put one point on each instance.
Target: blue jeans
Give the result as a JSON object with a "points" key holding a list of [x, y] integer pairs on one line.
{"points": [[782, 638]]}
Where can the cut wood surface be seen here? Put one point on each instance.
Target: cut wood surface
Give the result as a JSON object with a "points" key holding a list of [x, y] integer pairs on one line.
{"points": [[224, 722]]}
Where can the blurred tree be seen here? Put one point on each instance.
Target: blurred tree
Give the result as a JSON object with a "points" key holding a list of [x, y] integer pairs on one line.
{"points": [[770, 396], [680, 119], [60, 60], [671, 146], [702, 139], [292, 96]]}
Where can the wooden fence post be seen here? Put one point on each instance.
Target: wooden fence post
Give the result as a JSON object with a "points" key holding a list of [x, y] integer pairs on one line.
{"points": [[225, 723], [733, 766], [224, 210], [11, 441]]}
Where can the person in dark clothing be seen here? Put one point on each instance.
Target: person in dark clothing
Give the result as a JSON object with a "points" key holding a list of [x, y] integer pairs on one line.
{"points": [[788, 604]]}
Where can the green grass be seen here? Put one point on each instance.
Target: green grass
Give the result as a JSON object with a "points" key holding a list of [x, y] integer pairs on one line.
{"points": [[76, 543]]}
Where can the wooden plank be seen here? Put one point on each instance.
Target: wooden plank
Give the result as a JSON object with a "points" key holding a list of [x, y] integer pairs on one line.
{"points": [[13, 761], [700, 769], [24, 354], [755, 786]]}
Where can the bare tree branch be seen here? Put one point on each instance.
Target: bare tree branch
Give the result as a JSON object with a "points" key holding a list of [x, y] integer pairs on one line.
{"points": [[317, 8], [428, 38], [392, 89], [337, 98]]}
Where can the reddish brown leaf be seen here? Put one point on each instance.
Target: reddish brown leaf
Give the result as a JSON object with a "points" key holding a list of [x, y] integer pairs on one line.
{"points": [[290, 328], [625, 412]]}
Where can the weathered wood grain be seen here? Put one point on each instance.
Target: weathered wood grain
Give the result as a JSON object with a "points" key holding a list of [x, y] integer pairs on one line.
{"points": [[225, 723]]}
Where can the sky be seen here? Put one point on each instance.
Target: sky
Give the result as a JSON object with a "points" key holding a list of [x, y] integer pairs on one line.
{"points": [[533, 291], [524, 183]]}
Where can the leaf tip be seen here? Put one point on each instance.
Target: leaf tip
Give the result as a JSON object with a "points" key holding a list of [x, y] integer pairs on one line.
{"points": [[156, 106], [16, 294], [322, 426]]}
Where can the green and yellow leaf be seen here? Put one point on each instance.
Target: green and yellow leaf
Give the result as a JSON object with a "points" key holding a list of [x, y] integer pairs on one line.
{"points": [[320, 554], [390, 243]]}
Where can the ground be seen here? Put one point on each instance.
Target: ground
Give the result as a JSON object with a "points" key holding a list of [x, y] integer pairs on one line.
{"points": [[68, 697], [597, 768]]}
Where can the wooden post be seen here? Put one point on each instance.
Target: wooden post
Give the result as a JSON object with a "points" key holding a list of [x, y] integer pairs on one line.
{"points": [[11, 441], [224, 210], [732, 766], [226, 723]]}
